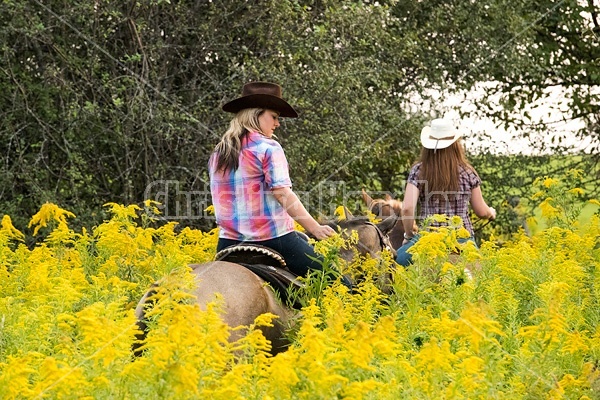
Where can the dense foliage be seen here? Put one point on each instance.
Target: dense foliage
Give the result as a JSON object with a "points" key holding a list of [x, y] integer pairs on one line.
{"points": [[102, 101]]}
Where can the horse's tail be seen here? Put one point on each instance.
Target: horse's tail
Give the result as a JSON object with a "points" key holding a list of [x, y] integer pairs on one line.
{"points": [[147, 301]]}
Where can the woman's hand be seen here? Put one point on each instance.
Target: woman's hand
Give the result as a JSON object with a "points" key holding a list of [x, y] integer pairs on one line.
{"points": [[322, 232], [492, 214]]}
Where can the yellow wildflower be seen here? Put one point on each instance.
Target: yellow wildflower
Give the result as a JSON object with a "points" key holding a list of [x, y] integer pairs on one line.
{"points": [[549, 182], [575, 173], [436, 357], [15, 378], [575, 343], [9, 231], [548, 210], [49, 212], [281, 376], [372, 217], [340, 212], [122, 212], [439, 218], [472, 365], [462, 233], [298, 227], [456, 221], [151, 206], [447, 267], [576, 191], [210, 210], [431, 246], [477, 326], [538, 195]]}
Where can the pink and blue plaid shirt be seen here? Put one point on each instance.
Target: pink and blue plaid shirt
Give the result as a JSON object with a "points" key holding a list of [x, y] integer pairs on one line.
{"points": [[244, 204]]}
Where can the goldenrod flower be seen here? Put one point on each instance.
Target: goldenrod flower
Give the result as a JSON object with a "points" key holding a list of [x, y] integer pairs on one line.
{"points": [[456, 221], [575, 173], [528, 315], [210, 209], [49, 212], [548, 210], [441, 218], [340, 213], [9, 231], [576, 191], [549, 182], [538, 194]]}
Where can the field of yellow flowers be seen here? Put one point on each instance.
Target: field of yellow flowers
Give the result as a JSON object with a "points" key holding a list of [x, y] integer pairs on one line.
{"points": [[525, 326]]}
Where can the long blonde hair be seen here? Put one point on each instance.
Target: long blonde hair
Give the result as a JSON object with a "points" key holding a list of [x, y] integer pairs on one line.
{"points": [[440, 168], [228, 149]]}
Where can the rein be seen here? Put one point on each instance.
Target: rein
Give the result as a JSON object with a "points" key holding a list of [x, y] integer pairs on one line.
{"points": [[482, 226]]}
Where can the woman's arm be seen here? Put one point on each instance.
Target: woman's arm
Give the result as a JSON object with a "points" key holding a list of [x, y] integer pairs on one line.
{"points": [[480, 207], [409, 206], [294, 207]]}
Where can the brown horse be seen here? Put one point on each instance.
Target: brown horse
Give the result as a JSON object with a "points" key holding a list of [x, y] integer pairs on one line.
{"points": [[245, 295], [383, 208]]}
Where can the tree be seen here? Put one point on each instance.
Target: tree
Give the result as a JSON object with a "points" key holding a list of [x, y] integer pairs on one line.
{"points": [[102, 101], [106, 101], [517, 54]]}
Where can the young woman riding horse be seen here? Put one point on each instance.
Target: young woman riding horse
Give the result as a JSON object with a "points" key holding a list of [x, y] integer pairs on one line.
{"points": [[254, 204], [441, 182], [250, 184], [242, 295]]}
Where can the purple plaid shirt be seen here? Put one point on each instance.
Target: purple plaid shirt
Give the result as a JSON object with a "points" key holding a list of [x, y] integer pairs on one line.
{"points": [[448, 203], [244, 204]]}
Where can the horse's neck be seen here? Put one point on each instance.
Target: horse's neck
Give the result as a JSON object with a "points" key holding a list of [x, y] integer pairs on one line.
{"points": [[396, 235], [396, 206]]}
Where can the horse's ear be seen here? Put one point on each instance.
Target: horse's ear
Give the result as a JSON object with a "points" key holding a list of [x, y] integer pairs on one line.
{"points": [[322, 218], [388, 197], [366, 198], [348, 214], [387, 224]]}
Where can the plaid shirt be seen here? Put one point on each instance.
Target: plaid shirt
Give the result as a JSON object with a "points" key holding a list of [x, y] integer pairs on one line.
{"points": [[448, 203], [244, 204]]}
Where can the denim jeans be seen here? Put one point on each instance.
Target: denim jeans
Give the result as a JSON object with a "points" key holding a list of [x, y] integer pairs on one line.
{"points": [[300, 257], [405, 259]]}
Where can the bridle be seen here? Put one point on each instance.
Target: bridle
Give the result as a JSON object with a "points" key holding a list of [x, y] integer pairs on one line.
{"points": [[384, 240]]}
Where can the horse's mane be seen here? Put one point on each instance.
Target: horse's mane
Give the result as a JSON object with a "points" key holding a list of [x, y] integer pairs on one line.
{"points": [[344, 223], [359, 220]]}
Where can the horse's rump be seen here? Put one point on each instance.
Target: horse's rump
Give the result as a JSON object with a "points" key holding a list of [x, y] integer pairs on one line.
{"points": [[267, 264]]}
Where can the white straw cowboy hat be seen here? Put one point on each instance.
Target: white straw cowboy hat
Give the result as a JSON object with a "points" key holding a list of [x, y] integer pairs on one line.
{"points": [[440, 134], [261, 95]]}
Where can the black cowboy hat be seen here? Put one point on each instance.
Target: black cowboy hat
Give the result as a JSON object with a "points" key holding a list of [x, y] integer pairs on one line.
{"points": [[261, 95]]}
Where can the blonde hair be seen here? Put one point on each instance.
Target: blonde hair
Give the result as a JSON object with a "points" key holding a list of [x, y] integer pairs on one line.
{"points": [[440, 168], [228, 149]]}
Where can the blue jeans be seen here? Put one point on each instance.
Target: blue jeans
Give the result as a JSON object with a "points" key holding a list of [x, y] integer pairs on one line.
{"points": [[405, 259], [300, 257]]}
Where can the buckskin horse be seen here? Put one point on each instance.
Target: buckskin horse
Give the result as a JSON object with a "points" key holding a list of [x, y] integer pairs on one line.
{"points": [[384, 208], [251, 284]]}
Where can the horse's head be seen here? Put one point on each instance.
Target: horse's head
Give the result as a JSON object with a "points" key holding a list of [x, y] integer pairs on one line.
{"points": [[382, 207], [386, 207], [372, 238]]}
